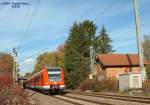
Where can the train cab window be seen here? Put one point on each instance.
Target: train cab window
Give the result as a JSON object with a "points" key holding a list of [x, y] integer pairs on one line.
{"points": [[54, 75]]}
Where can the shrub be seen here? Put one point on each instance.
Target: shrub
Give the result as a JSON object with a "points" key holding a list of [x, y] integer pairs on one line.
{"points": [[86, 85], [146, 86], [107, 84], [11, 94]]}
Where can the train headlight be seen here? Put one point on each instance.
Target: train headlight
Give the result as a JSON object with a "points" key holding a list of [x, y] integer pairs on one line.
{"points": [[46, 83]]}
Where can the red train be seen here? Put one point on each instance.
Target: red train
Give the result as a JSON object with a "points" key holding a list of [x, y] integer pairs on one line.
{"points": [[48, 79]]}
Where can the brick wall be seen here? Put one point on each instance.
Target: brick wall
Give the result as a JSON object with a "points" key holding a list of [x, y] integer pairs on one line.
{"points": [[115, 71]]}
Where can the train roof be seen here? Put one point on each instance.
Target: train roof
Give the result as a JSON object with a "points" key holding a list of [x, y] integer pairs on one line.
{"points": [[48, 67], [42, 71], [36, 74]]}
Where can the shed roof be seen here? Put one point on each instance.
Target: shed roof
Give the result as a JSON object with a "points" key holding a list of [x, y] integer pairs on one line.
{"points": [[119, 59]]}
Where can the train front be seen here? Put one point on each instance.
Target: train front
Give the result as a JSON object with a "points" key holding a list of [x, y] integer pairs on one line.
{"points": [[56, 79]]}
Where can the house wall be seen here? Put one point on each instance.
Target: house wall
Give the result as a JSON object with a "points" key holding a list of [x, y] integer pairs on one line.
{"points": [[114, 71]]}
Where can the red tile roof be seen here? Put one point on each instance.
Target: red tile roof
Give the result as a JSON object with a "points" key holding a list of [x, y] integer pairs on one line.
{"points": [[119, 59]]}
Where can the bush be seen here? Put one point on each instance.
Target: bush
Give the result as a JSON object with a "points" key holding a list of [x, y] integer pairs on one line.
{"points": [[86, 85], [109, 84], [146, 86], [148, 71], [11, 94]]}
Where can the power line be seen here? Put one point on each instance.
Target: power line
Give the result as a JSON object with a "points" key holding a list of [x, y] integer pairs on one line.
{"points": [[29, 24], [105, 10], [46, 48], [100, 14], [89, 10], [123, 40], [123, 46], [131, 30], [126, 45], [41, 50], [31, 56], [24, 20]]}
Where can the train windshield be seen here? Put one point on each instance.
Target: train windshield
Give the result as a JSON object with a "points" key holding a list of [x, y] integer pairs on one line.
{"points": [[54, 75]]}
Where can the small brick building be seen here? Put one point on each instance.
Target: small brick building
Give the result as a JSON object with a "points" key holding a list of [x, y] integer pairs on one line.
{"points": [[112, 65]]}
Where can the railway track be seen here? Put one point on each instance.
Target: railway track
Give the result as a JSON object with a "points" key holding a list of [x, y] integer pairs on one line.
{"points": [[80, 101], [145, 100], [66, 100], [82, 98], [69, 99]]}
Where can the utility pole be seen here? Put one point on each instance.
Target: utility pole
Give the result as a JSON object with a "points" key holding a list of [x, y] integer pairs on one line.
{"points": [[139, 44], [92, 59], [14, 68], [15, 72]]}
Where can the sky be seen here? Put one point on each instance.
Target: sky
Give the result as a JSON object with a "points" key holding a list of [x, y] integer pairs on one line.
{"points": [[43, 25]]}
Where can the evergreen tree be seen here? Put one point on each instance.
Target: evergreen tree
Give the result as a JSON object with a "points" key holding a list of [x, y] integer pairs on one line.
{"points": [[103, 42], [146, 47], [77, 51]]}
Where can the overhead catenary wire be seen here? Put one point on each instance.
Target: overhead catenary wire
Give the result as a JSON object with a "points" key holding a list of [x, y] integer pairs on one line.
{"points": [[97, 18], [23, 23], [81, 57], [100, 15], [76, 51], [29, 24], [126, 45], [41, 50], [20, 29], [33, 55], [107, 8], [89, 10], [105, 11]]}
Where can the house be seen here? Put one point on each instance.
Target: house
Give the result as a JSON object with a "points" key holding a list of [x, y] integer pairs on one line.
{"points": [[112, 65]]}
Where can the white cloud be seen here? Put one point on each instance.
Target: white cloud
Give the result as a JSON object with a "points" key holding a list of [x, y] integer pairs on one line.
{"points": [[29, 61]]}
